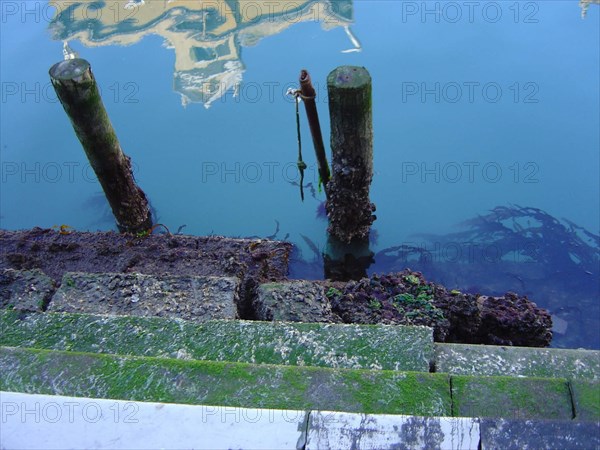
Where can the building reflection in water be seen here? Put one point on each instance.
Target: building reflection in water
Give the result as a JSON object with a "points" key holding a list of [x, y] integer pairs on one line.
{"points": [[206, 36]]}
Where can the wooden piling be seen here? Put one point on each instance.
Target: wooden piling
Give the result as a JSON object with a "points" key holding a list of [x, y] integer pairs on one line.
{"points": [[76, 88], [349, 208], [308, 97], [347, 261]]}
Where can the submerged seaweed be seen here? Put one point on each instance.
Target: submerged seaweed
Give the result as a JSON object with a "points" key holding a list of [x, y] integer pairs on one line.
{"points": [[521, 249], [508, 235]]}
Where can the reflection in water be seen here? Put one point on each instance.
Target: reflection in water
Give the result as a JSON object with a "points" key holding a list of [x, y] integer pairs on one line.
{"points": [[206, 36], [585, 4], [68, 52]]}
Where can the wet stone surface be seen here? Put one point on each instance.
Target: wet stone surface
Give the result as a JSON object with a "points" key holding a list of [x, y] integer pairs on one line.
{"points": [[184, 297], [25, 290], [223, 383], [586, 400], [541, 434], [515, 397], [293, 301], [333, 430], [256, 342], [53, 252], [488, 360]]}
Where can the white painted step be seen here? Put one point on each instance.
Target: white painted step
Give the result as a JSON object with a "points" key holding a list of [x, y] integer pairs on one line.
{"points": [[58, 422]]}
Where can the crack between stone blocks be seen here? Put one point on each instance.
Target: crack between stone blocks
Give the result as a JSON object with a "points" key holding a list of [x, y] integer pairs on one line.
{"points": [[48, 299], [572, 399], [451, 397]]}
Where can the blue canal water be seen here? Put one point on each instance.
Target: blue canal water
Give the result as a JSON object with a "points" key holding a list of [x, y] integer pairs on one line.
{"points": [[477, 107]]}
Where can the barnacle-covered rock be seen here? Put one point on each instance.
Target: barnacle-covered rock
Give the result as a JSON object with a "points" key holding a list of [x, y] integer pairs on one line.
{"points": [[406, 298]]}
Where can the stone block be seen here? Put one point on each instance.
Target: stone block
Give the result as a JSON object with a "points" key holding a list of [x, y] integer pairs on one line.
{"points": [[490, 360], [287, 343], [184, 297], [25, 290], [586, 399], [50, 421], [538, 434], [511, 397], [293, 301], [336, 430], [223, 383]]}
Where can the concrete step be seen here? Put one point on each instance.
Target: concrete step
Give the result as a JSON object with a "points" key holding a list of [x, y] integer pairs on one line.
{"points": [[494, 382], [34, 421], [284, 343], [473, 366], [228, 384], [292, 387], [463, 359]]}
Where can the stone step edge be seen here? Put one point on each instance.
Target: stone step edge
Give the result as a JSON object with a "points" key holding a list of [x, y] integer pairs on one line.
{"points": [[467, 359], [289, 343], [140, 378], [294, 387]]}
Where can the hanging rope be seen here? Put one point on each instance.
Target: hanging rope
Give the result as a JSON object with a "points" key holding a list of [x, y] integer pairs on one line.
{"points": [[301, 164]]}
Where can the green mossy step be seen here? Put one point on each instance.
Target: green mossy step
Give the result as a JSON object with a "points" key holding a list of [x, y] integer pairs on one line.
{"points": [[326, 345], [586, 400], [511, 397], [223, 383], [462, 359]]}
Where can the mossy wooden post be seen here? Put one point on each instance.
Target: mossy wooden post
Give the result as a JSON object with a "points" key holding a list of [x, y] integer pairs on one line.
{"points": [[348, 205], [308, 97], [76, 88]]}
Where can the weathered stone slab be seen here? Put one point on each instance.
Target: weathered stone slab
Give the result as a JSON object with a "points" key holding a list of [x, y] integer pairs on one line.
{"points": [[293, 301], [336, 430], [223, 383], [185, 297], [48, 421], [461, 359], [25, 290], [511, 397], [586, 399], [538, 434], [252, 261], [326, 345], [57, 252]]}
